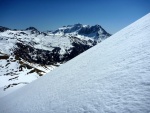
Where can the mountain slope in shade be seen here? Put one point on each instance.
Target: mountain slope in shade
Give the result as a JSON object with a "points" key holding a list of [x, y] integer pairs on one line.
{"points": [[112, 77]]}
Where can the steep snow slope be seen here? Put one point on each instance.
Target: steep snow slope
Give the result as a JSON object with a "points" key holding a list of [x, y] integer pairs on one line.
{"points": [[112, 77]]}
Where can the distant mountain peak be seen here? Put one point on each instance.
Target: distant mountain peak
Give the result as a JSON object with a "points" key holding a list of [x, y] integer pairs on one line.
{"points": [[31, 28], [78, 24], [96, 31], [2, 29]]}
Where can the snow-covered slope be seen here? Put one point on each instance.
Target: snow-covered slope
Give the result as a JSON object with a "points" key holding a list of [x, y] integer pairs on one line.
{"points": [[15, 73], [112, 77]]}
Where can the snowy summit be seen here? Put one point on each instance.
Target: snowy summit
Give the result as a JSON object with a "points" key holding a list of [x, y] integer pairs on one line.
{"points": [[111, 77]]}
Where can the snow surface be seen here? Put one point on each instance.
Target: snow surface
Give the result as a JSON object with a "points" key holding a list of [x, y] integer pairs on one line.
{"points": [[112, 77], [17, 77], [12, 78]]}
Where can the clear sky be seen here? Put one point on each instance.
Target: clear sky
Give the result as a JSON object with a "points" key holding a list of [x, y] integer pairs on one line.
{"points": [[112, 15]]}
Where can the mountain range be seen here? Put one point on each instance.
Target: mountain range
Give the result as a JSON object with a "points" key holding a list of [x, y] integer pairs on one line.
{"points": [[27, 54]]}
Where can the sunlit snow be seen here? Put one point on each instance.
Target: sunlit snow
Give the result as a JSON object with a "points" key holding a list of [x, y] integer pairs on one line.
{"points": [[112, 77]]}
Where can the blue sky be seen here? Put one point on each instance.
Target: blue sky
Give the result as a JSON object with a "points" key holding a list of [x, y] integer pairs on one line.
{"points": [[112, 15]]}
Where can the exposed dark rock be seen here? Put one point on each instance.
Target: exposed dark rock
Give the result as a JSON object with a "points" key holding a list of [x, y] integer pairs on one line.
{"points": [[31, 28], [45, 57], [2, 29]]}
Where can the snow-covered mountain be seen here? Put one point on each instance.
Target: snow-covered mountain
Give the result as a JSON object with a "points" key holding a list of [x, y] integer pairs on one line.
{"points": [[27, 54], [96, 32], [118, 81]]}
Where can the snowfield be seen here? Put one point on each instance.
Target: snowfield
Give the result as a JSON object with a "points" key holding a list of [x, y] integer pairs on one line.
{"points": [[112, 77]]}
